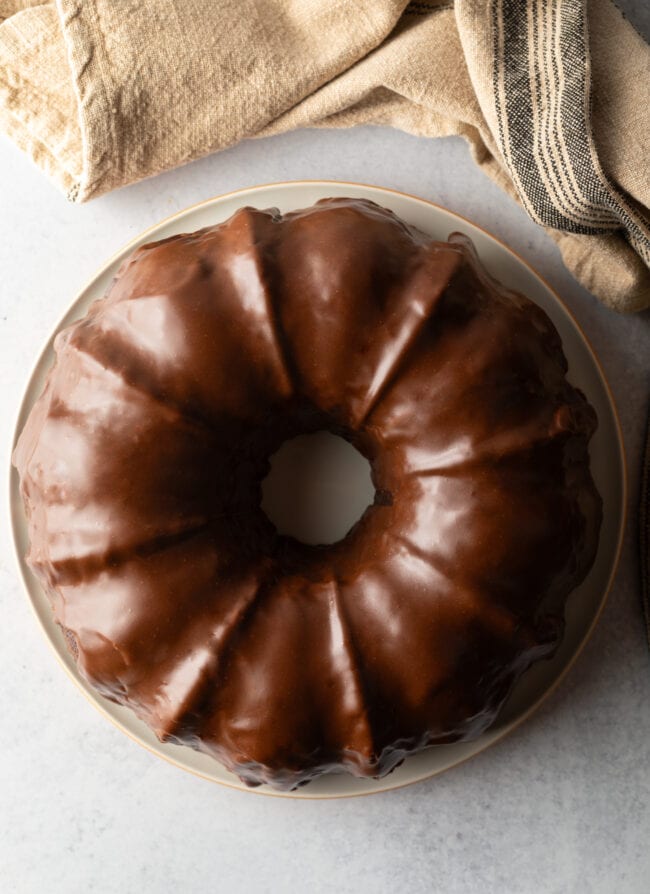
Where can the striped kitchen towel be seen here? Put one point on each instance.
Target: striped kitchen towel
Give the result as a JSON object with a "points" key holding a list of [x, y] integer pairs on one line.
{"points": [[552, 96]]}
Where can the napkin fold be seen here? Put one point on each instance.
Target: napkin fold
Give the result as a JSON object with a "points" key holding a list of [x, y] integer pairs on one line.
{"points": [[552, 96]]}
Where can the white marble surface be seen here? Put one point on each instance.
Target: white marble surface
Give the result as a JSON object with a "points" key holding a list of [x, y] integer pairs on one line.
{"points": [[563, 805]]}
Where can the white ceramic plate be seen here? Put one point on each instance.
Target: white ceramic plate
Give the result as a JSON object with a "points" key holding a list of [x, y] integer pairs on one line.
{"points": [[585, 603]]}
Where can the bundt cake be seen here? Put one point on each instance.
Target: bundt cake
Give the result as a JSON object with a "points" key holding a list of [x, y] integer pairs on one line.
{"points": [[141, 467]]}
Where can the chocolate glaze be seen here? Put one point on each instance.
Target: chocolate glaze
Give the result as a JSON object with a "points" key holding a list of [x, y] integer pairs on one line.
{"points": [[142, 461]]}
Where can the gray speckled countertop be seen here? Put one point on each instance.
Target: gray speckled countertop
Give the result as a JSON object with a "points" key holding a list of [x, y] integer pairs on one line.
{"points": [[562, 805]]}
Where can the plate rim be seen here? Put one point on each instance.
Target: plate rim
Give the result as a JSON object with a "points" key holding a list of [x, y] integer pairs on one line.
{"points": [[23, 571]]}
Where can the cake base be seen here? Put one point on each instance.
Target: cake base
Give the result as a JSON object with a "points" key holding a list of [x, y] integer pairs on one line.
{"points": [[584, 605]]}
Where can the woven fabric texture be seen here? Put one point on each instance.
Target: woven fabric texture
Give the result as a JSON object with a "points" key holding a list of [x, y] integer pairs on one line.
{"points": [[552, 96]]}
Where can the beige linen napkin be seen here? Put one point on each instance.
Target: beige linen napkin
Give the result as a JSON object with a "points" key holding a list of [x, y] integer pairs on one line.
{"points": [[552, 96]]}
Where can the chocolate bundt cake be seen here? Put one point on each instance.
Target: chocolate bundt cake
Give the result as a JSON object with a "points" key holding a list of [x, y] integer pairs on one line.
{"points": [[141, 467]]}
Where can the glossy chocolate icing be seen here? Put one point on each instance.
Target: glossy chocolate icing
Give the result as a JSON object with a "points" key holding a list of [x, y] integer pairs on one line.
{"points": [[142, 461]]}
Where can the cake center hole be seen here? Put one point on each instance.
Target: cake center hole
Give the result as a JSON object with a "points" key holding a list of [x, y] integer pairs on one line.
{"points": [[318, 487]]}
